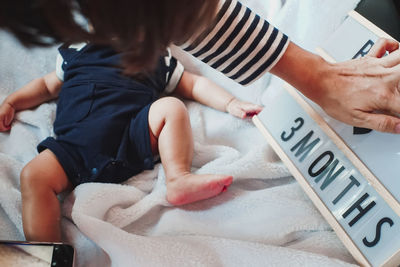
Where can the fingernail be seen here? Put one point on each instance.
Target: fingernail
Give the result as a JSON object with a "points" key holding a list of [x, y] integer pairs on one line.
{"points": [[397, 129]]}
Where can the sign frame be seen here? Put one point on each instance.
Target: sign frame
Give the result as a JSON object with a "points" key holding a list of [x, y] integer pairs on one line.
{"points": [[346, 239]]}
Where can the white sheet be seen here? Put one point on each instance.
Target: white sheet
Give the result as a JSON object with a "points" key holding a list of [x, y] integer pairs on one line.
{"points": [[264, 219]]}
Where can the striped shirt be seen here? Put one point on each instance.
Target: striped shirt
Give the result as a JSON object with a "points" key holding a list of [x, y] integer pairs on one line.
{"points": [[238, 43]]}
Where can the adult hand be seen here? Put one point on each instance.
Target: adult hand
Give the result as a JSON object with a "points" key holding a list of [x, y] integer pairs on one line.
{"points": [[365, 92]]}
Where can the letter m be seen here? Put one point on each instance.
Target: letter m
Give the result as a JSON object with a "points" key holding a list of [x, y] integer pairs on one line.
{"points": [[304, 147]]}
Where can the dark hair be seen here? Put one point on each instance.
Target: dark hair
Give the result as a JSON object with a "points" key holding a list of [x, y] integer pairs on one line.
{"points": [[142, 29]]}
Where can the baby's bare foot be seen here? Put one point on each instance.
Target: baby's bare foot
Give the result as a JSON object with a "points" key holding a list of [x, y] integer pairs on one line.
{"points": [[189, 188]]}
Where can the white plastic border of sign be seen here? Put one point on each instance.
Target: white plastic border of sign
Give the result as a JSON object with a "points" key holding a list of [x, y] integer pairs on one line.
{"points": [[326, 213], [378, 186], [381, 190], [392, 260]]}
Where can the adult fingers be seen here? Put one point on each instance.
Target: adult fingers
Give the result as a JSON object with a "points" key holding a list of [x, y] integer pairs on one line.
{"points": [[381, 46], [382, 123], [391, 60], [391, 46]]}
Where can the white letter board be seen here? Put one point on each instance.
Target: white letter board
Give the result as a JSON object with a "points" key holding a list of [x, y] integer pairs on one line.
{"points": [[353, 179]]}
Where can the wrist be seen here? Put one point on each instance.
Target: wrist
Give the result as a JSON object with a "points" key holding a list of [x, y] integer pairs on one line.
{"points": [[303, 70], [9, 103], [228, 103], [315, 84]]}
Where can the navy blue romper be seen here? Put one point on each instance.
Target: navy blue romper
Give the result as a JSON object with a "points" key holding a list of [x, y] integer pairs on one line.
{"points": [[102, 115]]}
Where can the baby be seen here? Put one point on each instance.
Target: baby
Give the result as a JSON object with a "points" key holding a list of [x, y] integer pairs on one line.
{"points": [[110, 127]]}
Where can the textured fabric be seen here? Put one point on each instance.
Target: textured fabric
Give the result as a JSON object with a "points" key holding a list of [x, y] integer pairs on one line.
{"points": [[102, 115], [239, 43], [264, 219]]}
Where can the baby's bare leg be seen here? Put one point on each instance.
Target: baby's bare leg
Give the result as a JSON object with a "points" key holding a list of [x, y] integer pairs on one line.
{"points": [[41, 180], [170, 128]]}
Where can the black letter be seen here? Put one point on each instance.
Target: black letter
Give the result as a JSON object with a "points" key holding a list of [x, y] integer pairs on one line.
{"points": [[364, 50], [304, 147], [331, 176], [310, 170], [300, 120], [358, 130], [353, 181], [378, 232], [360, 209]]}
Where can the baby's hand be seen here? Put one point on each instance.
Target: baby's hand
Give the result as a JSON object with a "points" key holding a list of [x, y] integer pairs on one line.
{"points": [[7, 112], [242, 109]]}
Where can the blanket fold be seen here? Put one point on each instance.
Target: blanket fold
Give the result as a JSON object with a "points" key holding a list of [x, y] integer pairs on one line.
{"points": [[263, 219]]}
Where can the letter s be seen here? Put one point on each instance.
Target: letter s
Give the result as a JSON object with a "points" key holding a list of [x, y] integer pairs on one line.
{"points": [[378, 232]]}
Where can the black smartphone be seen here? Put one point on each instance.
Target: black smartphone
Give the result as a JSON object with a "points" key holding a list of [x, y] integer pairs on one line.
{"points": [[16, 254]]}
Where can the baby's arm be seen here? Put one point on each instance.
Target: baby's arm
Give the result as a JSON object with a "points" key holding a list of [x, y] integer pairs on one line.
{"points": [[206, 92], [31, 95]]}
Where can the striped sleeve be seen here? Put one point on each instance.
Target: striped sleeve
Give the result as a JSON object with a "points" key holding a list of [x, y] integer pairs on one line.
{"points": [[239, 43]]}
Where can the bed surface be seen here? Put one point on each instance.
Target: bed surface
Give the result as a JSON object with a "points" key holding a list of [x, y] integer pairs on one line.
{"points": [[264, 219]]}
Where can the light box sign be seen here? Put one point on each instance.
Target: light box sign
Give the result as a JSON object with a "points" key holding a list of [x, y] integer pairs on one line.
{"points": [[351, 174], [344, 196]]}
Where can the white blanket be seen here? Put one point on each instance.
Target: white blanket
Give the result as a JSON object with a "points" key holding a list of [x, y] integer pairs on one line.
{"points": [[264, 219]]}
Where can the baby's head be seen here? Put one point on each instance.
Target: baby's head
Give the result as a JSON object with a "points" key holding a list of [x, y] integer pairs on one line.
{"points": [[143, 28]]}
